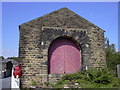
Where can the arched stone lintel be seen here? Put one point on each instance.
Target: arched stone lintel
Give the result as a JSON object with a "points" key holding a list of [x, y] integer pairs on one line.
{"points": [[75, 35]]}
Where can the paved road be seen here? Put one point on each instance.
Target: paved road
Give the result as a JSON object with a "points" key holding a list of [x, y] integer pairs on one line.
{"points": [[6, 82]]}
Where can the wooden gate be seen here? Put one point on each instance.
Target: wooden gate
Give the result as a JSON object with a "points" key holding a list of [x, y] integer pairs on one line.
{"points": [[64, 57]]}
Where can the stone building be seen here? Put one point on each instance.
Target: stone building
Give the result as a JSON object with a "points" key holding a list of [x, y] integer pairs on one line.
{"points": [[6, 67], [58, 43]]}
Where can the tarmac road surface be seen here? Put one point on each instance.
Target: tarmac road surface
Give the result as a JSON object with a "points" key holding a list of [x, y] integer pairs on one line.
{"points": [[6, 82]]}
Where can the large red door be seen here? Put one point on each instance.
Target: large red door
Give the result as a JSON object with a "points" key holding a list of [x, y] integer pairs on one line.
{"points": [[64, 57]]}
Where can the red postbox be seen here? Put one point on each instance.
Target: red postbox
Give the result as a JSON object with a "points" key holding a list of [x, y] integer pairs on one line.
{"points": [[17, 72]]}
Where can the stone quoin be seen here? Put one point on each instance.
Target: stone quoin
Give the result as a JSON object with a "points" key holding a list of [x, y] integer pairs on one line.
{"points": [[40, 48]]}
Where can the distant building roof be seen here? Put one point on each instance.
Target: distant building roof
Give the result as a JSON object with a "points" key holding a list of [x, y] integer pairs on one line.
{"points": [[7, 60], [4, 61]]}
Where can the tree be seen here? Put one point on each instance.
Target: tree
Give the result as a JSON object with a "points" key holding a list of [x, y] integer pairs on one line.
{"points": [[14, 58], [1, 57], [112, 56]]}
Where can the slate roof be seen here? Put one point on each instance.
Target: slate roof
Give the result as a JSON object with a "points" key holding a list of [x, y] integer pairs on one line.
{"points": [[63, 18]]}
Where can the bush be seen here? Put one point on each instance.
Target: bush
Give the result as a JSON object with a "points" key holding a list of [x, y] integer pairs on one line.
{"points": [[101, 75], [93, 78], [75, 76]]}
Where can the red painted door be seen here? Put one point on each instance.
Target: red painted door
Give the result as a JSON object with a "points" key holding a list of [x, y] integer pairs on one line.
{"points": [[64, 57]]}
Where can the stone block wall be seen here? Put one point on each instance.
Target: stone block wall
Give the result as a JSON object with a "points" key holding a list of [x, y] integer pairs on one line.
{"points": [[53, 78], [34, 45], [96, 43]]}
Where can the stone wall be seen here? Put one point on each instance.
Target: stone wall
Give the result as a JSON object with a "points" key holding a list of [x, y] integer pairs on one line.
{"points": [[54, 77], [34, 45], [96, 43]]}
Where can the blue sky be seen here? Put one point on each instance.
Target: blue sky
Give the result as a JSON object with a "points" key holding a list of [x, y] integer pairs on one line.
{"points": [[102, 14]]}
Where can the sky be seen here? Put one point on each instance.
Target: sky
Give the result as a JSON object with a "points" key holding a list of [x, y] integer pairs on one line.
{"points": [[102, 14]]}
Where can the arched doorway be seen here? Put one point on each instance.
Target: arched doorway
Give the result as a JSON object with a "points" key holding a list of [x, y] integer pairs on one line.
{"points": [[9, 66], [64, 56]]}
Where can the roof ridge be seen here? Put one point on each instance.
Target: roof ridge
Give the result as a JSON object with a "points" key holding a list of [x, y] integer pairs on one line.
{"points": [[61, 17]]}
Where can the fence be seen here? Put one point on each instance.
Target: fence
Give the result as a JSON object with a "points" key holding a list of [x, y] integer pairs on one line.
{"points": [[118, 70]]}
